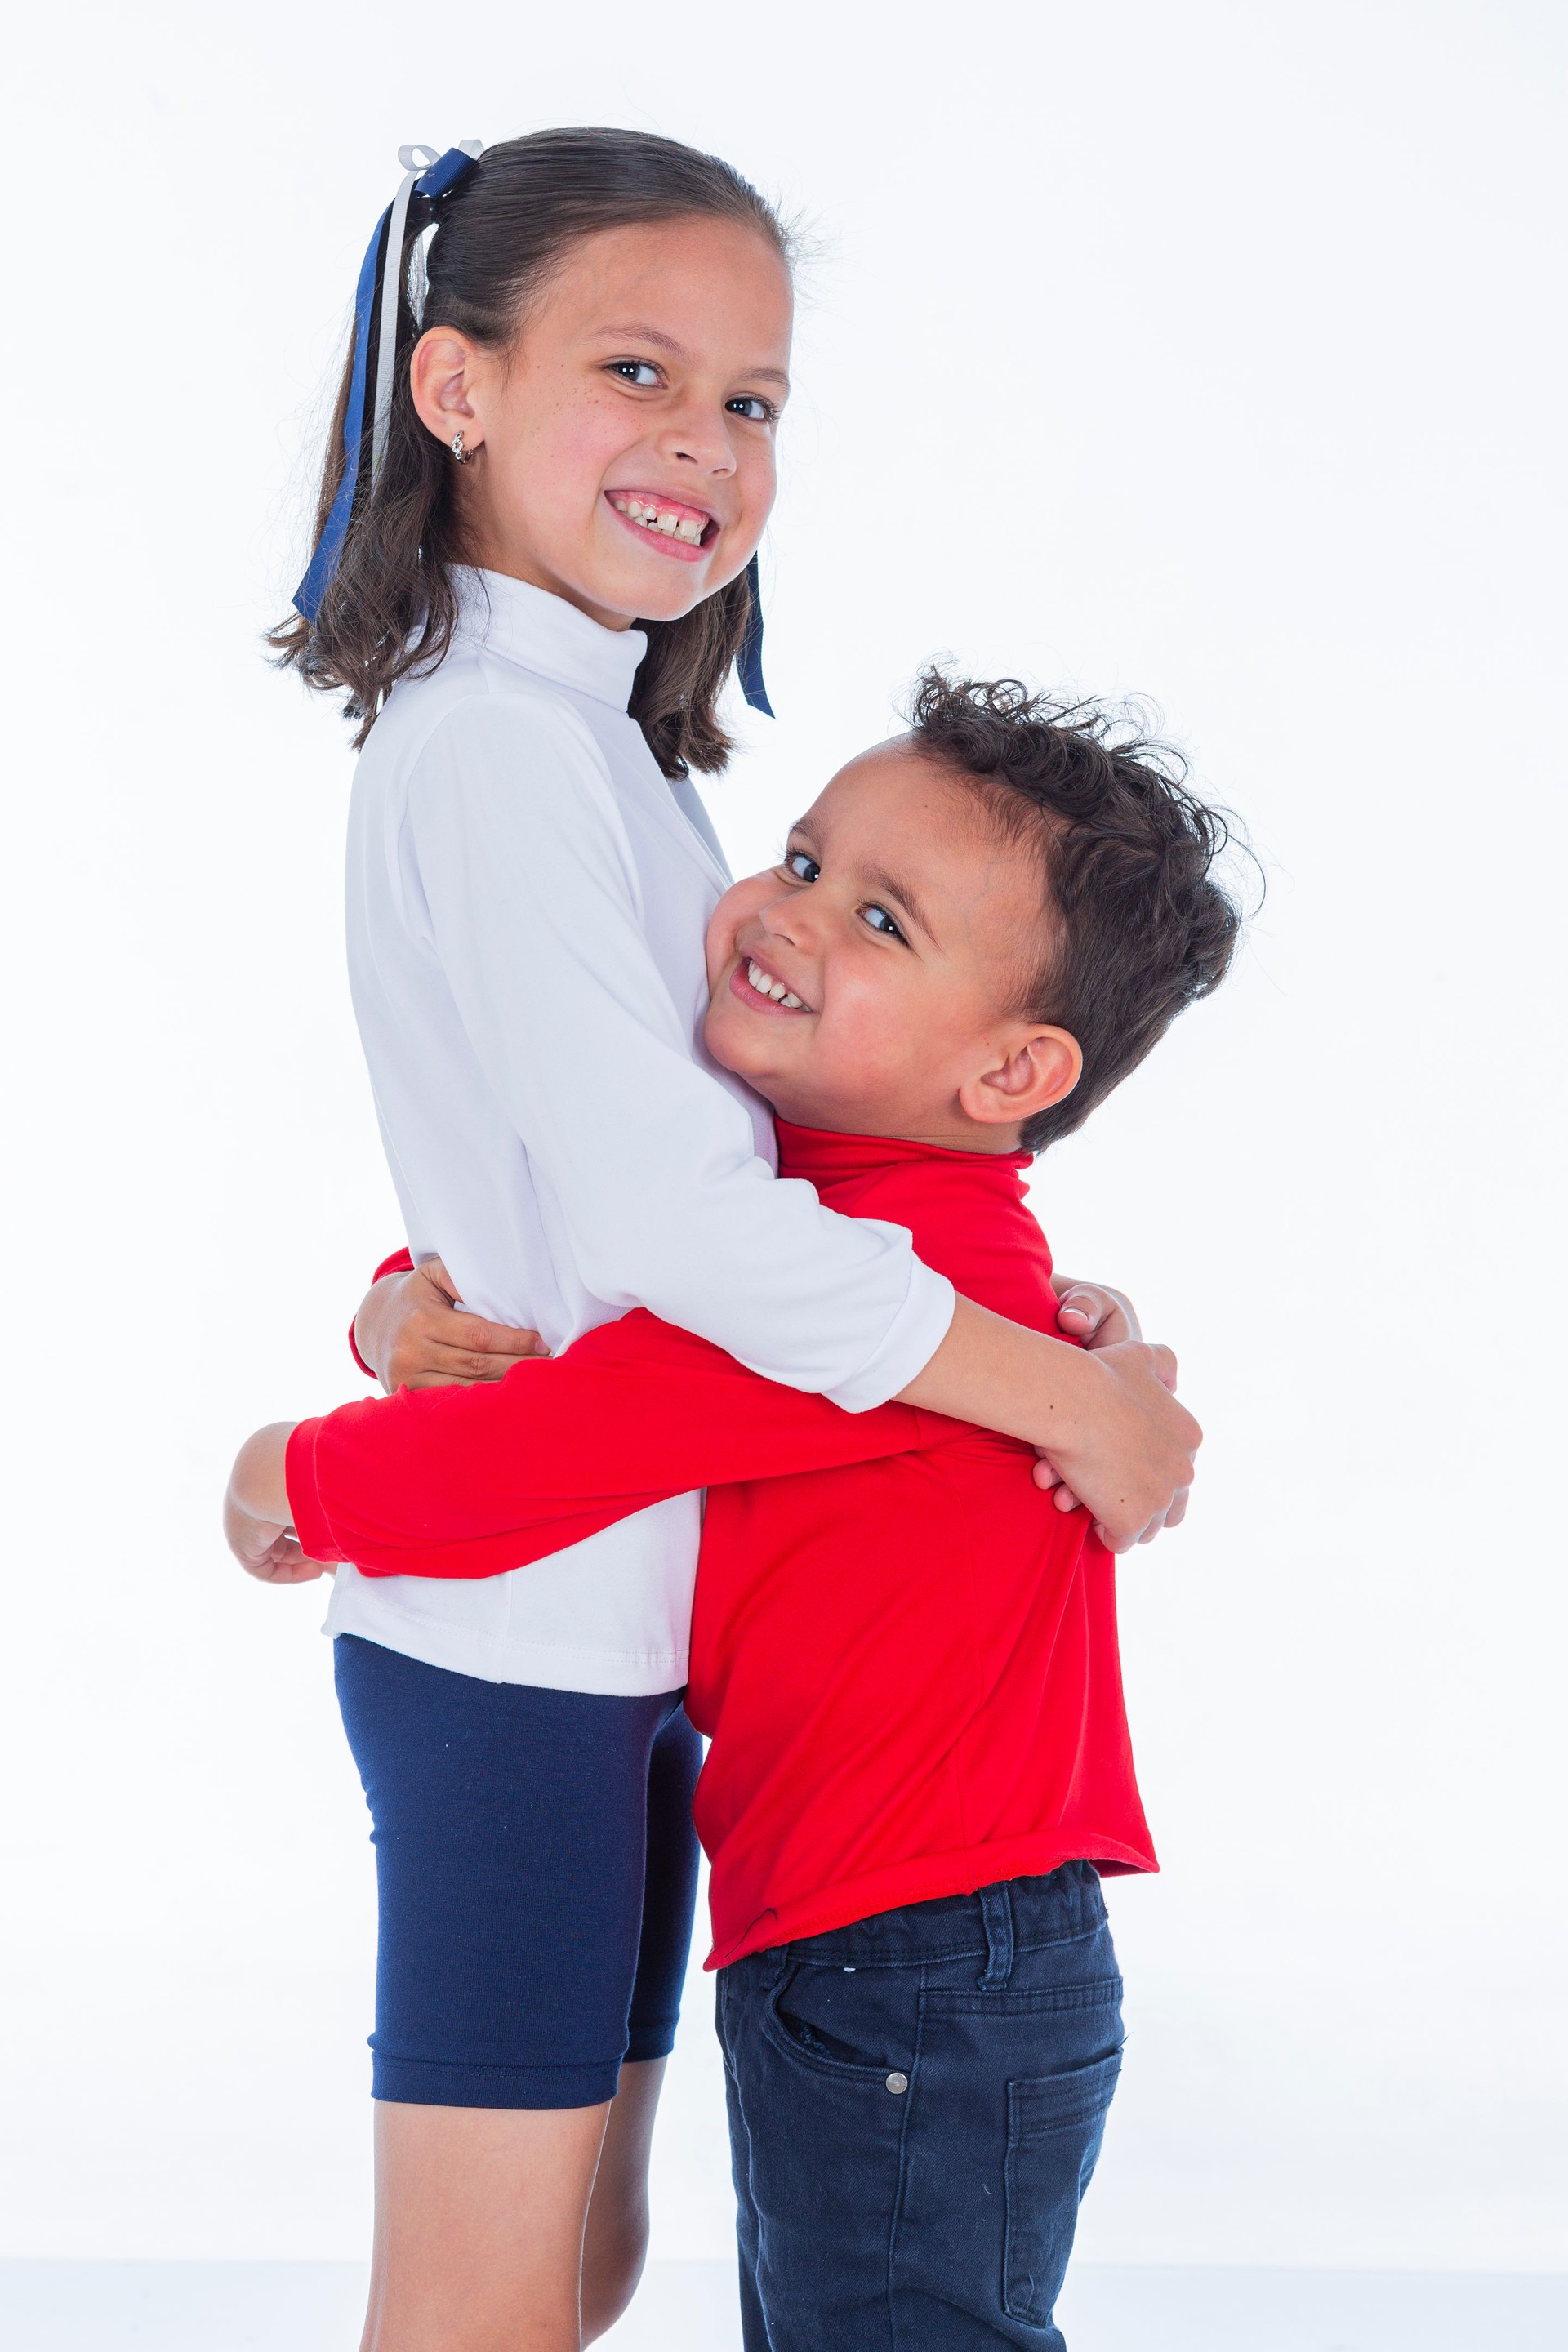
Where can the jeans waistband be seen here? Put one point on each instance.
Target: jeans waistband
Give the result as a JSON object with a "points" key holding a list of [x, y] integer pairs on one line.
{"points": [[992, 1924]]}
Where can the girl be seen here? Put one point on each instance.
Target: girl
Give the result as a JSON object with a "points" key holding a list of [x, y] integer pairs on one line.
{"points": [[539, 512]]}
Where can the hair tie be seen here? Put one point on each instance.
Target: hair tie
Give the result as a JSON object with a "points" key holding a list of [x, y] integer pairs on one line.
{"points": [[749, 660], [425, 173]]}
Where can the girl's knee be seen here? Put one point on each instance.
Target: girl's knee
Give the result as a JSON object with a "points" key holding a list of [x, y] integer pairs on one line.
{"points": [[611, 2270]]}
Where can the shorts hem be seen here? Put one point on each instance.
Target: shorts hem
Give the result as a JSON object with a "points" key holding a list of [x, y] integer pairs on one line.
{"points": [[654, 2042], [446, 2083]]}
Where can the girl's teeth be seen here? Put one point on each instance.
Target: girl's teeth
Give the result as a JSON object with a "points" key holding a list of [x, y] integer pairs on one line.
{"points": [[686, 527]]}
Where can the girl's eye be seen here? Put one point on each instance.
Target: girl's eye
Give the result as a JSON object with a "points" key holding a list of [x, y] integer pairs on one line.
{"points": [[753, 408], [638, 372], [878, 919], [804, 867]]}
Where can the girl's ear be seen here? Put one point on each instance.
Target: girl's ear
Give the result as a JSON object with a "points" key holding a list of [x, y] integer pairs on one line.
{"points": [[440, 376], [1038, 1068]]}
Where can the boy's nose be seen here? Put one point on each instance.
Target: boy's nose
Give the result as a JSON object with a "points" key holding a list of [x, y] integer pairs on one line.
{"points": [[788, 921]]}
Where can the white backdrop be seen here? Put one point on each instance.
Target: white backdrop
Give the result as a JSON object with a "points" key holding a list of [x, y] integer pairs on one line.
{"points": [[1212, 352]]}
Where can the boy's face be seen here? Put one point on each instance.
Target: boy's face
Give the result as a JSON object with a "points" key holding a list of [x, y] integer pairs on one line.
{"points": [[904, 926]]}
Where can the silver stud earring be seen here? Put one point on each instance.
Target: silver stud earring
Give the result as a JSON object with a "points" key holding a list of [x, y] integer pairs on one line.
{"points": [[458, 451]]}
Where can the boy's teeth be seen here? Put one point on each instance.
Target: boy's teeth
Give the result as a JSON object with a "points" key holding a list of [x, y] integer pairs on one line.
{"points": [[765, 985]]}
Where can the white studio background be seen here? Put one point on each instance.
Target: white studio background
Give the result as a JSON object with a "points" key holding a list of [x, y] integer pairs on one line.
{"points": [[1208, 352]]}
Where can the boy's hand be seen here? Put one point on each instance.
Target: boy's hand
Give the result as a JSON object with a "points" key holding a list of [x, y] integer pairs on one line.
{"points": [[256, 1512], [411, 1330]]}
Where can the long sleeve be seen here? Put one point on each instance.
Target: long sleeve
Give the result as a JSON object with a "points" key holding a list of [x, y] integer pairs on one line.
{"points": [[523, 870], [398, 1263], [467, 1481]]}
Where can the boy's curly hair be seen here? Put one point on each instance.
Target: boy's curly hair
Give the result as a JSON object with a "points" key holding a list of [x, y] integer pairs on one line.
{"points": [[1143, 928]]}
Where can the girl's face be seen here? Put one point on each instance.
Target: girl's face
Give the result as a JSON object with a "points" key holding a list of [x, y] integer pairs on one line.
{"points": [[622, 447]]}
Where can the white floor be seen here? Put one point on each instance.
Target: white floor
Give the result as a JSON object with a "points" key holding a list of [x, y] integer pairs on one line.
{"points": [[691, 2307]]}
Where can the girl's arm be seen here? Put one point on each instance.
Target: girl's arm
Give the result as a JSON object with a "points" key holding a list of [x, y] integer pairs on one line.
{"points": [[521, 879]]}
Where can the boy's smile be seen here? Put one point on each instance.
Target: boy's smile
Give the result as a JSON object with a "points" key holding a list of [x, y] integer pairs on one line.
{"points": [[870, 982]]}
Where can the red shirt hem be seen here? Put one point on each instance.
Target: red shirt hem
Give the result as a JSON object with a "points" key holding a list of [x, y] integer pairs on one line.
{"points": [[923, 1880]]}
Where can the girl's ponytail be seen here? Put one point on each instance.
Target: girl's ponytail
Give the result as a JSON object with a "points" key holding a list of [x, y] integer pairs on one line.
{"points": [[479, 251]]}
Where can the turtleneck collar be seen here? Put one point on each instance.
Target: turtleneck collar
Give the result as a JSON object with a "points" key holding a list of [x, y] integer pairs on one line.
{"points": [[820, 1154], [543, 633]]}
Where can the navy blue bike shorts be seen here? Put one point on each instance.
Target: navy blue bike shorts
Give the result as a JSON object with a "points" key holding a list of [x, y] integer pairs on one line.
{"points": [[536, 1871]]}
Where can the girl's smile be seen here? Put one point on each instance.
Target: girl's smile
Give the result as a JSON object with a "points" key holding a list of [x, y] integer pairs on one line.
{"points": [[677, 528]]}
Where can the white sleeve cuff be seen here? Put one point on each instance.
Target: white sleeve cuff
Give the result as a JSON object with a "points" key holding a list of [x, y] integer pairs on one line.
{"points": [[912, 1339]]}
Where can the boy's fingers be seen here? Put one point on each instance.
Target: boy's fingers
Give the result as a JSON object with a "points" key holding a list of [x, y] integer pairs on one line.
{"points": [[449, 1327], [1165, 1366]]}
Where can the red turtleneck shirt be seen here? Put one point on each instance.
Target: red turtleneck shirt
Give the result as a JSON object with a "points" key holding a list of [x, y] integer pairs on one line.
{"points": [[904, 1654]]}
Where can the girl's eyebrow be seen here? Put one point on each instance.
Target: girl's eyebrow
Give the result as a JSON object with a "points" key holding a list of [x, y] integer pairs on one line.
{"points": [[663, 342]]}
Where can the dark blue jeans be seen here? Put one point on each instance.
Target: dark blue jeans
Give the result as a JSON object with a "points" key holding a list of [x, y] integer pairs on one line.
{"points": [[915, 2105]]}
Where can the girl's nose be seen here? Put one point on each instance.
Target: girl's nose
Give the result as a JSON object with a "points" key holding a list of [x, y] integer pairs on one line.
{"points": [[700, 436]]}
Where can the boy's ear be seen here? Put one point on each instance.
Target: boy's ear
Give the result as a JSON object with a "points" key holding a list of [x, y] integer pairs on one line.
{"points": [[1038, 1068]]}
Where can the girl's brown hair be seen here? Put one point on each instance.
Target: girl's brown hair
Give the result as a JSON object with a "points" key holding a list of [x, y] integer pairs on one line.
{"points": [[391, 604]]}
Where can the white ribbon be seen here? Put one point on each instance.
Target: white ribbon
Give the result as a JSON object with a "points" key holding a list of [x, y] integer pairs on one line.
{"points": [[416, 162]]}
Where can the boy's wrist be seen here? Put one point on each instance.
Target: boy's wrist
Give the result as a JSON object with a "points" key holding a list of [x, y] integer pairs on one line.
{"points": [[257, 1483]]}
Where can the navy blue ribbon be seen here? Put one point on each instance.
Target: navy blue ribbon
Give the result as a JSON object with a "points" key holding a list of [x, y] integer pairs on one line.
{"points": [[749, 660], [445, 173]]}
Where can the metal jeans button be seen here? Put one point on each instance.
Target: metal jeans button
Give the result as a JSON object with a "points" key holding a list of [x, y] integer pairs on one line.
{"points": [[898, 2084]]}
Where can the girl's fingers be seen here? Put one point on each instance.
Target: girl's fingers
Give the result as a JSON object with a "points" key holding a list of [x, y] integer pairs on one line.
{"points": [[1093, 1312], [1094, 1315]]}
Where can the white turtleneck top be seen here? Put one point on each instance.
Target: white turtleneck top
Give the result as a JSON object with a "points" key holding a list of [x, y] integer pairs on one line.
{"points": [[527, 902]]}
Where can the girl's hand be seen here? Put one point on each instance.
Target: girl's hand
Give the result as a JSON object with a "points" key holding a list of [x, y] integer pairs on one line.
{"points": [[1095, 1314], [1097, 1317], [413, 1333], [256, 1512]]}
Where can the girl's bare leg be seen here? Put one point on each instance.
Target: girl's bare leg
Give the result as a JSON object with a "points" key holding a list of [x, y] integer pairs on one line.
{"points": [[614, 2244], [479, 2221]]}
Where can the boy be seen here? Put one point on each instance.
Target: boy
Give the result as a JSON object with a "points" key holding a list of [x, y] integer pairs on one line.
{"points": [[907, 1664]]}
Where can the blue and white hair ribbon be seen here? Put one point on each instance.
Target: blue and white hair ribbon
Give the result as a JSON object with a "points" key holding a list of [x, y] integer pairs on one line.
{"points": [[749, 660], [425, 173]]}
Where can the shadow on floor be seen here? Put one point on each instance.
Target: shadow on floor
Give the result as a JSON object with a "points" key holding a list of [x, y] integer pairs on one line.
{"points": [[691, 2308]]}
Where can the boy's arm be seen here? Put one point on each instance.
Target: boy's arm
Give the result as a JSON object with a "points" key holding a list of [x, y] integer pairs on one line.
{"points": [[473, 1481]]}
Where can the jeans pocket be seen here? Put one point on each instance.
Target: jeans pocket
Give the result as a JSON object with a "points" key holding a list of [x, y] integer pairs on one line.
{"points": [[809, 2020], [1055, 2125]]}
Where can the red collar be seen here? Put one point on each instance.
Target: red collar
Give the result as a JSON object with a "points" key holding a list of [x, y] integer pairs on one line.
{"points": [[821, 1155]]}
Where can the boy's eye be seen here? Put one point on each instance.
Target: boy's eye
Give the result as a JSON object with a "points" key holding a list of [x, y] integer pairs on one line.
{"points": [[878, 919], [803, 866], [755, 408], [638, 372]]}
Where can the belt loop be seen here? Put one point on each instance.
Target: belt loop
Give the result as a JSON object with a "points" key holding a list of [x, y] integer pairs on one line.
{"points": [[776, 1965], [996, 1910]]}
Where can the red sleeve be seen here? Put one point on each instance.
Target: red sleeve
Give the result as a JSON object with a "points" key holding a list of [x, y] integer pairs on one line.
{"points": [[398, 1263], [473, 1481]]}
